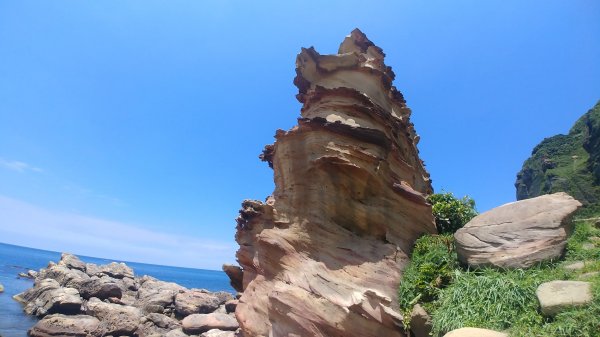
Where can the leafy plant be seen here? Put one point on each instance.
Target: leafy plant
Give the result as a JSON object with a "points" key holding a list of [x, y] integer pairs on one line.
{"points": [[432, 266], [450, 212]]}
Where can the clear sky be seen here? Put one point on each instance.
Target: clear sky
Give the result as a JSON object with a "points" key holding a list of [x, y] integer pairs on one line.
{"points": [[131, 129]]}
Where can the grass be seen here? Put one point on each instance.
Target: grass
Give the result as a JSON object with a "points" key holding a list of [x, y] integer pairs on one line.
{"points": [[501, 300]]}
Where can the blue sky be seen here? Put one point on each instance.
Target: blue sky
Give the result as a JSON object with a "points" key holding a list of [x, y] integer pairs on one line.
{"points": [[131, 129]]}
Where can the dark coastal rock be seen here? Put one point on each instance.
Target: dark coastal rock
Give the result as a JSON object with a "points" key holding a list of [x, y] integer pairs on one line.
{"points": [[231, 305], [117, 270], [518, 234], [116, 319], [195, 302], [156, 325], [48, 297], [30, 274], [66, 326], [199, 323], [235, 275], [71, 261], [114, 301], [155, 292], [102, 288], [64, 276]]}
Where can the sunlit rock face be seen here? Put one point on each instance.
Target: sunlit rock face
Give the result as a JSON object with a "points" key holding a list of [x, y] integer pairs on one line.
{"points": [[324, 255]]}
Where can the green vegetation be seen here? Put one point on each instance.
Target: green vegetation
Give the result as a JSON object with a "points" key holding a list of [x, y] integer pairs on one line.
{"points": [[451, 213], [502, 300], [432, 266], [566, 163]]}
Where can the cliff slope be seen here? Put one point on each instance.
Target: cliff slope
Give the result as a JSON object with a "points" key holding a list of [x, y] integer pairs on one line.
{"points": [[323, 255], [566, 163]]}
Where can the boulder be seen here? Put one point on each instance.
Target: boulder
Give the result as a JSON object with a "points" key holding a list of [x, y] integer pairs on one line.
{"points": [[116, 319], [30, 274], [66, 277], [71, 261], [156, 324], [323, 256], [66, 326], [474, 332], [235, 275], [199, 323], [102, 288], [48, 297], [519, 234], [555, 296], [574, 266], [231, 305], [176, 333], [155, 292], [420, 322], [195, 302], [117, 270]]}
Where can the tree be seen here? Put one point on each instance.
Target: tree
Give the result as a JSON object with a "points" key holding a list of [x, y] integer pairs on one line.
{"points": [[451, 213]]}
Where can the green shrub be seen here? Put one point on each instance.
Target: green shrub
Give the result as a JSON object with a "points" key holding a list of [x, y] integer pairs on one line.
{"points": [[451, 213], [431, 268]]}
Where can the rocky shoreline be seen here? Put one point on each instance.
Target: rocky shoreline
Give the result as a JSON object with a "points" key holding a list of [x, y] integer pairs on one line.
{"points": [[79, 299]]}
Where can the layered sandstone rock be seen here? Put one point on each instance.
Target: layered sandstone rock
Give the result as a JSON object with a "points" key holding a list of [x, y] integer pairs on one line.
{"points": [[324, 255], [518, 234]]}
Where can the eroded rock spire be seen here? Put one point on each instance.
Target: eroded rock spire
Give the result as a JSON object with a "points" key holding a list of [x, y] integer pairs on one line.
{"points": [[323, 255]]}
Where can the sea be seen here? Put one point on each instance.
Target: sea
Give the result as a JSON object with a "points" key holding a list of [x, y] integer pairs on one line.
{"points": [[17, 259]]}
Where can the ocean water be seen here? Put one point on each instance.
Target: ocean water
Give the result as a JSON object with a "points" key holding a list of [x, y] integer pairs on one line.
{"points": [[16, 259]]}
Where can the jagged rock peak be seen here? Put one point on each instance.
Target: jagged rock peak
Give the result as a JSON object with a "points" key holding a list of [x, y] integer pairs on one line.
{"points": [[323, 255]]}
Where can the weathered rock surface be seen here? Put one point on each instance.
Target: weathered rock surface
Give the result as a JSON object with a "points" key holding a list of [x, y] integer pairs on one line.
{"points": [[196, 302], [323, 256], [420, 322], [66, 326], [518, 234], [117, 319], [474, 332], [48, 297], [199, 323], [556, 296], [109, 301]]}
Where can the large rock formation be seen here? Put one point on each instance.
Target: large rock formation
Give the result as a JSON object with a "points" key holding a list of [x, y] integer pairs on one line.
{"points": [[323, 256], [566, 163], [518, 234]]}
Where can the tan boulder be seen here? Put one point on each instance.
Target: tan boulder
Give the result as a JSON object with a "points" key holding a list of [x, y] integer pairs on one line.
{"points": [[555, 296], [116, 319], [66, 326], [199, 323], [519, 234], [323, 255]]}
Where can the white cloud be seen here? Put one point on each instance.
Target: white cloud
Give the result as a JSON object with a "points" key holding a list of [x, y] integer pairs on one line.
{"points": [[32, 226], [18, 166]]}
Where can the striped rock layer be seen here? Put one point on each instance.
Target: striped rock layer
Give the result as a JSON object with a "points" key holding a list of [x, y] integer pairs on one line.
{"points": [[323, 256]]}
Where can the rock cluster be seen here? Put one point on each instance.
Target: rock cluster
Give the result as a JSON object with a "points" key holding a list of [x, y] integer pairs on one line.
{"points": [[73, 298], [518, 234], [323, 256]]}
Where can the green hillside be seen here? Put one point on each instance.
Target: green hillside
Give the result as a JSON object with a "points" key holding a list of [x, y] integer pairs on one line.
{"points": [[569, 163]]}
